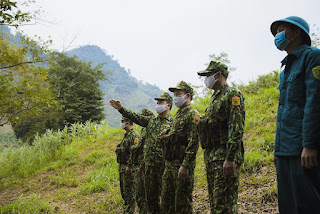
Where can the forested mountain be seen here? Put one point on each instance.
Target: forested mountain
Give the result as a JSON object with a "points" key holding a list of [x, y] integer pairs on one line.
{"points": [[133, 93]]}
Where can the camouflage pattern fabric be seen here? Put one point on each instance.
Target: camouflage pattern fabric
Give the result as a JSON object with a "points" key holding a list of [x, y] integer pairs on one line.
{"points": [[152, 155], [221, 132], [180, 148], [176, 195], [215, 67], [126, 180], [182, 85], [223, 192], [139, 193], [138, 165]]}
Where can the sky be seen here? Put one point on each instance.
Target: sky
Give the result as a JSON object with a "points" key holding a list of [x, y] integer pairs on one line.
{"points": [[165, 41]]}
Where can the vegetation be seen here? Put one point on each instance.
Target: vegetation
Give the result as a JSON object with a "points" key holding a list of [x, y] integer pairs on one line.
{"points": [[78, 164], [11, 14], [134, 94]]}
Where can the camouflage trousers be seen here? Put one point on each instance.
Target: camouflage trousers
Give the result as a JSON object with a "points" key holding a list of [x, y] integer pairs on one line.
{"points": [[139, 192], [127, 190], [153, 183], [223, 192], [176, 195]]}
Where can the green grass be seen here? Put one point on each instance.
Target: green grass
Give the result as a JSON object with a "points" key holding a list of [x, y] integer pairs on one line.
{"points": [[101, 179], [26, 205]]}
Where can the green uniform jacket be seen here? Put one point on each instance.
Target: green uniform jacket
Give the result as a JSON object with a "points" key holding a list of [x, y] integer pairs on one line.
{"points": [[186, 143], [123, 150], [152, 149], [224, 119], [137, 151]]}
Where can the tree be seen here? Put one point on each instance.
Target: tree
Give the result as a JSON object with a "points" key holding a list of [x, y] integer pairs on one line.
{"points": [[75, 85], [315, 41], [23, 89], [11, 15]]}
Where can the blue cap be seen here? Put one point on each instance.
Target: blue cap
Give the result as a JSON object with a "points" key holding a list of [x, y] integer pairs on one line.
{"points": [[295, 20]]}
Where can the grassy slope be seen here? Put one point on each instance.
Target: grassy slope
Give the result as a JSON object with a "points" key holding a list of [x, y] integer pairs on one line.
{"points": [[81, 176]]}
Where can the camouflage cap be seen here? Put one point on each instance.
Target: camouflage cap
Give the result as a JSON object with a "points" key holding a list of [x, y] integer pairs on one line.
{"points": [[146, 112], [165, 96], [214, 67], [182, 85]]}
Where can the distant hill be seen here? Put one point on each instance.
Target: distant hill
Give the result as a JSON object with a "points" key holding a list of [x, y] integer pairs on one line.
{"points": [[133, 93]]}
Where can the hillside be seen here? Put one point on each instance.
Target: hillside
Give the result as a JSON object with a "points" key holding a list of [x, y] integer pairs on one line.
{"points": [[135, 94], [74, 170]]}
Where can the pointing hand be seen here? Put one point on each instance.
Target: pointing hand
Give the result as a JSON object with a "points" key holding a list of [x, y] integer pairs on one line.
{"points": [[116, 104]]}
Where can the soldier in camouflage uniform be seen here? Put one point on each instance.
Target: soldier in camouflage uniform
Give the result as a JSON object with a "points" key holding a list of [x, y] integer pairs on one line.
{"points": [[221, 132], [123, 151], [180, 146], [152, 150], [138, 166]]}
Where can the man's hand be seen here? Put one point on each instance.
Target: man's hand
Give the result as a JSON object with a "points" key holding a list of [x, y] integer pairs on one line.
{"points": [[115, 104], [128, 170], [140, 173], [309, 158], [228, 168], [183, 172], [164, 131]]}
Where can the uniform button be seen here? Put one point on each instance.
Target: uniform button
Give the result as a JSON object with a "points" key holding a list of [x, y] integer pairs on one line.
{"points": [[280, 106]]}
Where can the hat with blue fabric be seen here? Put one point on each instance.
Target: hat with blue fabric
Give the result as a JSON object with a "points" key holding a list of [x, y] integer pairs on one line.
{"points": [[294, 20]]}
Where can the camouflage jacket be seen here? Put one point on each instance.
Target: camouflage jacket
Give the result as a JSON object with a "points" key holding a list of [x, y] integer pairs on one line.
{"points": [[224, 121], [136, 156], [124, 148], [152, 149], [183, 137]]}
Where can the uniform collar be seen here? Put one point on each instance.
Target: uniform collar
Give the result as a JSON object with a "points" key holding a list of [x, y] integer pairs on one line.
{"points": [[166, 117], [296, 53], [131, 130], [222, 88], [181, 110]]}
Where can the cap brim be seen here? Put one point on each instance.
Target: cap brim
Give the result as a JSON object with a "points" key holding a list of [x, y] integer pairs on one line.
{"points": [[159, 98], [172, 89], [204, 73]]}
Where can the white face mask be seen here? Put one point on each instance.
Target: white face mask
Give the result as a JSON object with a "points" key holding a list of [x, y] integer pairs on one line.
{"points": [[123, 125], [179, 101], [210, 81], [160, 108]]}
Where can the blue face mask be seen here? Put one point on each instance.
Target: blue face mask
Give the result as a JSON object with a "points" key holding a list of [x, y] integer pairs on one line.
{"points": [[280, 40]]}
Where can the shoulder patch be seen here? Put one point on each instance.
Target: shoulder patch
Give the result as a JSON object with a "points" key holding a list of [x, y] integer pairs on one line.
{"points": [[236, 101], [136, 140], [196, 119], [316, 72]]}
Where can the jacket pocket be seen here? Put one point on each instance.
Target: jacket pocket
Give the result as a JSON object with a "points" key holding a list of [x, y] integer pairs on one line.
{"points": [[295, 85]]}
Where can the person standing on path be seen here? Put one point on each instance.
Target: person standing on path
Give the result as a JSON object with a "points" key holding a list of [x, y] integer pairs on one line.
{"points": [[297, 143], [180, 145], [152, 150], [123, 151], [220, 133]]}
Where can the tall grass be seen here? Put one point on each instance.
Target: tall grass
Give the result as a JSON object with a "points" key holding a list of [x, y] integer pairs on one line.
{"points": [[24, 161]]}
